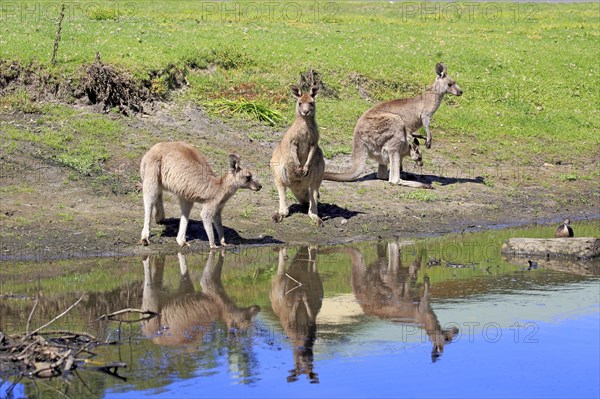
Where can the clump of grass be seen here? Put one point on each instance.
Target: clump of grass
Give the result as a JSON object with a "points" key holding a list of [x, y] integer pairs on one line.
{"points": [[253, 109], [103, 14], [229, 58], [568, 176], [20, 100], [421, 195], [66, 216], [248, 211], [257, 136]]}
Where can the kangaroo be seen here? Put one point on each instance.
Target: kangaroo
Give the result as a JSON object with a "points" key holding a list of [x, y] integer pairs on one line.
{"points": [[296, 297], [384, 131], [409, 148], [384, 290], [297, 161], [179, 168], [187, 313]]}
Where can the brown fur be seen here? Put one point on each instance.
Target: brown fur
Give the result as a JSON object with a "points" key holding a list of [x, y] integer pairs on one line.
{"points": [[297, 305], [385, 289], [297, 161], [179, 168], [187, 314], [384, 132]]}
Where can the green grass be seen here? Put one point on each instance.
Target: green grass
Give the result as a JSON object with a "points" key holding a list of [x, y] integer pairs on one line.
{"points": [[253, 109], [529, 73], [80, 142], [568, 176], [421, 195], [20, 100]]}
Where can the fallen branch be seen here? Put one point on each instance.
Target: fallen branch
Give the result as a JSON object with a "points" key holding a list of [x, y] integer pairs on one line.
{"points": [[111, 316], [54, 319]]}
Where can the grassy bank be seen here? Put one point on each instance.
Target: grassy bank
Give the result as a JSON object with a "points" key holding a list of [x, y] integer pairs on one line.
{"points": [[529, 71]]}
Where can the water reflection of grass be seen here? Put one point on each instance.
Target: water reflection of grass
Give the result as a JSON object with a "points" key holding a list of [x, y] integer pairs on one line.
{"points": [[248, 274]]}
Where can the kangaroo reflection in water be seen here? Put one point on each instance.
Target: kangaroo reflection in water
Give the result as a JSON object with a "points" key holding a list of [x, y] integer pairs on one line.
{"points": [[296, 297], [387, 290], [188, 313]]}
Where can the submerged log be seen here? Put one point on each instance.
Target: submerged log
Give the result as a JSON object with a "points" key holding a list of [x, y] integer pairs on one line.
{"points": [[574, 248]]}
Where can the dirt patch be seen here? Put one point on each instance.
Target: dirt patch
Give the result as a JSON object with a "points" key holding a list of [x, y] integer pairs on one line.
{"points": [[45, 214], [40, 84], [103, 84]]}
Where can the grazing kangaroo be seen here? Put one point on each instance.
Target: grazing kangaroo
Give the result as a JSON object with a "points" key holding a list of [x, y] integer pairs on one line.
{"points": [[383, 289], [179, 168], [297, 161], [296, 297], [384, 131], [188, 313]]}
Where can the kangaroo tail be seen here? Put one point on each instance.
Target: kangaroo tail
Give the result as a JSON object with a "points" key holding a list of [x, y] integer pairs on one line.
{"points": [[359, 157], [149, 168]]}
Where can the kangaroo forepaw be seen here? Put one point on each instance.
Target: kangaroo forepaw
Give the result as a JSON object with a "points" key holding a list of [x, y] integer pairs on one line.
{"points": [[428, 186], [428, 144], [277, 217], [144, 242], [183, 244]]}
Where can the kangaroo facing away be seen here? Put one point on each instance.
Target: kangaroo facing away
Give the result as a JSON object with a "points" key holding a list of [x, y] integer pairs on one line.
{"points": [[383, 131], [179, 168], [384, 289], [188, 313], [297, 161]]}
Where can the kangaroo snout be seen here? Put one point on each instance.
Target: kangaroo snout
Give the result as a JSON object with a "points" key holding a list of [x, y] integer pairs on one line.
{"points": [[256, 186]]}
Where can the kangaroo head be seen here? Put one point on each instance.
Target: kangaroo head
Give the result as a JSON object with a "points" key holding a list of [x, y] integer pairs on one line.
{"points": [[415, 152], [243, 177], [305, 102], [441, 339], [444, 83], [241, 319]]}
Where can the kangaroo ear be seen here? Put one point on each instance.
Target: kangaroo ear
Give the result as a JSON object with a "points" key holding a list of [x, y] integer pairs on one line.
{"points": [[440, 70], [234, 162], [296, 92], [314, 90]]}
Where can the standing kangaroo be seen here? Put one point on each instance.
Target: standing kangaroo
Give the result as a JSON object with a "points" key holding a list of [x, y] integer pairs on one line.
{"points": [[384, 131], [297, 160], [179, 168]]}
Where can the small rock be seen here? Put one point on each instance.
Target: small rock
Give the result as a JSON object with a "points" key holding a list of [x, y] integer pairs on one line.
{"points": [[344, 221]]}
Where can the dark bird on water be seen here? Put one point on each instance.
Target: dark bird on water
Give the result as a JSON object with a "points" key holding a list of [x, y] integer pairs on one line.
{"points": [[564, 230], [532, 265]]}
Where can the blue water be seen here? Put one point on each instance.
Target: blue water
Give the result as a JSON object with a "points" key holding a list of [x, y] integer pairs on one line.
{"points": [[559, 359], [520, 333]]}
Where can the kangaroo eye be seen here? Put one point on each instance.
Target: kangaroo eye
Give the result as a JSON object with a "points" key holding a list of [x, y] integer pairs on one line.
{"points": [[249, 177], [450, 84]]}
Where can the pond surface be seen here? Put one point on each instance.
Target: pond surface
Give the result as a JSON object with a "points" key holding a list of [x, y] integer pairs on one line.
{"points": [[428, 318]]}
